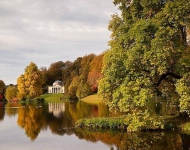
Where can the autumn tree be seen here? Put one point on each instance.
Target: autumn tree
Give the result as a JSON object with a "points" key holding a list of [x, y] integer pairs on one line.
{"points": [[11, 93], [84, 89], [79, 85], [2, 87], [30, 83], [95, 72], [77, 76], [21, 88], [149, 56]]}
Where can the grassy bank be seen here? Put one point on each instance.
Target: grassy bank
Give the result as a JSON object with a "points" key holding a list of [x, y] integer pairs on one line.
{"points": [[52, 97], [92, 99]]}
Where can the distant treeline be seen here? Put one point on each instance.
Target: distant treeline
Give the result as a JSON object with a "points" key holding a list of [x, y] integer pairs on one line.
{"points": [[80, 78]]}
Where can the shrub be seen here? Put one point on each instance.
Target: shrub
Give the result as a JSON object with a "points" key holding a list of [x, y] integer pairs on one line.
{"points": [[101, 123]]}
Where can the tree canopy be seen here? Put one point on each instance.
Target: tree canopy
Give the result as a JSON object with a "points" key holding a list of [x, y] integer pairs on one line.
{"points": [[95, 72], [80, 77], [149, 56], [11, 93], [30, 83]]}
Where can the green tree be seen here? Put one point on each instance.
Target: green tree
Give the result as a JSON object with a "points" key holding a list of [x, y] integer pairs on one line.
{"points": [[30, 83], [11, 93], [85, 66], [44, 73], [54, 72], [149, 56], [79, 86], [66, 71], [73, 87], [83, 90], [66, 75]]}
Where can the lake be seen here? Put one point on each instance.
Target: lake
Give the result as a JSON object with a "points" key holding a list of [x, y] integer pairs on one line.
{"points": [[49, 126]]}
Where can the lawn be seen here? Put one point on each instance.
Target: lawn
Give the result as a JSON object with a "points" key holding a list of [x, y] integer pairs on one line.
{"points": [[92, 99], [52, 97]]}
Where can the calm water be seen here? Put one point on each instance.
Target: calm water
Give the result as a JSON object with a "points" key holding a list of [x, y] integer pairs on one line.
{"points": [[50, 127]]}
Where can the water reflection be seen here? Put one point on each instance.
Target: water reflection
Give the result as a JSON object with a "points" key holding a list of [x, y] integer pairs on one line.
{"points": [[30, 118], [59, 118], [2, 112], [56, 108], [138, 141], [11, 109]]}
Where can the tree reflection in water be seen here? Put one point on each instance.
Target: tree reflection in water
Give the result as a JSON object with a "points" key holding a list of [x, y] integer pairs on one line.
{"points": [[2, 112], [11, 109], [138, 141], [30, 117], [60, 119]]}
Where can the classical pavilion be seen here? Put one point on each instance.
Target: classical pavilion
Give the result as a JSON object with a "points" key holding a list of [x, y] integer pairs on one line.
{"points": [[56, 88]]}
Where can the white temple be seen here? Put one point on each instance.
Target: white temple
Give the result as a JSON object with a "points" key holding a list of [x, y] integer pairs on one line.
{"points": [[56, 88]]}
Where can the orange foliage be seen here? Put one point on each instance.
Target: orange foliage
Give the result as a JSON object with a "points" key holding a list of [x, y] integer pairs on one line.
{"points": [[95, 72]]}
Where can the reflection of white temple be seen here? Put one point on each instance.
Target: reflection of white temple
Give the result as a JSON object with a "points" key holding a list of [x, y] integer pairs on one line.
{"points": [[188, 37], [56, 88], [56, 109]]}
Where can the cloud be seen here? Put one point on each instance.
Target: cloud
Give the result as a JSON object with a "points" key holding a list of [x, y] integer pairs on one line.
{"points": [[46, 31]]}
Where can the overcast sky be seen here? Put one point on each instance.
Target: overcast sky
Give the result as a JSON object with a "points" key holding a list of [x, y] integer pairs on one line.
{"points": [[47, 31]]}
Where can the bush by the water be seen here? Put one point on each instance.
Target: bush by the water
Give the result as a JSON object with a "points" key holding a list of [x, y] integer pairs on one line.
{"points": [[119, 123], [101, 123]]}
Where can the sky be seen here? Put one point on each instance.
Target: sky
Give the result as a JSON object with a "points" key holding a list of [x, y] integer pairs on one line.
{"points": [[47, 31]]}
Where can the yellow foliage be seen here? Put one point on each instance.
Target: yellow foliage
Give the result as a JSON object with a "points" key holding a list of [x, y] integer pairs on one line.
{"points": [[30, 83]]}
